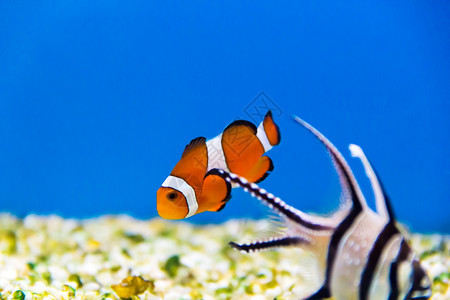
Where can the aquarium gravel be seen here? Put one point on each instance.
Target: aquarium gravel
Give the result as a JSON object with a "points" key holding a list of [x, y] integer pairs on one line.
{"points": [[118, 256]]}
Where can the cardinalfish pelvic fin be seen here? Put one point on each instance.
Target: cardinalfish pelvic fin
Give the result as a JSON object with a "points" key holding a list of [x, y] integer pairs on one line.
{"points": [[361, 253], [195, 184]]}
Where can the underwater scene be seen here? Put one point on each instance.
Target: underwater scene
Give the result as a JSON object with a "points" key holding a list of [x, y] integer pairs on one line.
{"points": [[254, 150]]}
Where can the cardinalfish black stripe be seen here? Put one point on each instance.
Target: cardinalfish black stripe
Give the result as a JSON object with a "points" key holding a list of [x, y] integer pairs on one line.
{"points": [[361, 252]]}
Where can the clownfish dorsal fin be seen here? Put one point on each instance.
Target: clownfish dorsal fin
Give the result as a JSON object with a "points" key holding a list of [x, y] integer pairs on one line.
{"points": [[349, 184], [382, 201], [235, 123], [193, 144]]}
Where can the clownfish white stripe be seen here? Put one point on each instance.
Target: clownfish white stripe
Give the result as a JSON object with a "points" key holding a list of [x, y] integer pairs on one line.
{"points": [[262, 136], [186, 189], [216, 157]]}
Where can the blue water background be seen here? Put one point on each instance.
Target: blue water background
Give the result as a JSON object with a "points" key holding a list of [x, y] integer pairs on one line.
{"points": [[99, 98]]}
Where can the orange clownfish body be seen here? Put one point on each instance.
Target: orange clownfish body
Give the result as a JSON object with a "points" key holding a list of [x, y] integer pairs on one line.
{"points": [[195, 185]]}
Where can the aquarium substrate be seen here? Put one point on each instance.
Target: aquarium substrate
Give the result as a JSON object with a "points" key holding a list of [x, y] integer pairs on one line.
{"points": [[113, 257]]}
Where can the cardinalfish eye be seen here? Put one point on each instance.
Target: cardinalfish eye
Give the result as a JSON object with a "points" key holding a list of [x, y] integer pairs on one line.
{"points": [[172, 195]]}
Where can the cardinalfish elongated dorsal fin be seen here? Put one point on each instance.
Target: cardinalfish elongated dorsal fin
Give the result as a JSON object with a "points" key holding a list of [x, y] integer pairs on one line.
{"points": [[382, 201], [348, 181], [193, 145], [276, 203]]}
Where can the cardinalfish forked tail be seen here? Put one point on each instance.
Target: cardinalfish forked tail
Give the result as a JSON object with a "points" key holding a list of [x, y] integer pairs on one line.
{"points": [[361, 253], [195, 184]]}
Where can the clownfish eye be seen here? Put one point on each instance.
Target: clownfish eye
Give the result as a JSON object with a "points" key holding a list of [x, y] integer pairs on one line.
{"points": [[172, 196]]}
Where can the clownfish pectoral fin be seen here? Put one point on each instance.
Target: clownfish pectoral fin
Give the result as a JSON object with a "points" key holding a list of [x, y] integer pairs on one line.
{"points": [[193, 145], [271, 129], [215, 191], [261, 170], [222, 206]]}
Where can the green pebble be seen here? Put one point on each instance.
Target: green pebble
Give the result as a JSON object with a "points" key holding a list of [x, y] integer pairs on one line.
{"points": [[249, 289], [11, 239], [31, 265], [33, 278], [47, 277], [134, 237], [70, 290], [272, 284], [76, 278], [172, 265], [428, 253], [225, 290], [115, 268], [442, 278], [18, 295], [126, 253]]}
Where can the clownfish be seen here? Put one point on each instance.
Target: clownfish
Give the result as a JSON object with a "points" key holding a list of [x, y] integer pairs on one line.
{"points": [[195, 185], [361, 253]]}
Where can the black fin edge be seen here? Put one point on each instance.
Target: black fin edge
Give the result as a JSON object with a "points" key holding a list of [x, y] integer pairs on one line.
{"points": [[271, 167], [193, 143], [222, 207], [242, 122]]}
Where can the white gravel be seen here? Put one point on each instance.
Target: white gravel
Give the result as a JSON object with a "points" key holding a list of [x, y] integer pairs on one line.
{"points": [[55, 258]]}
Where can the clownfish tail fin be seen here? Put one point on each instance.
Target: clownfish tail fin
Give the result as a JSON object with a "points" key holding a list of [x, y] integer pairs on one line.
{"points": [[271, 129], [268, 132]]}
